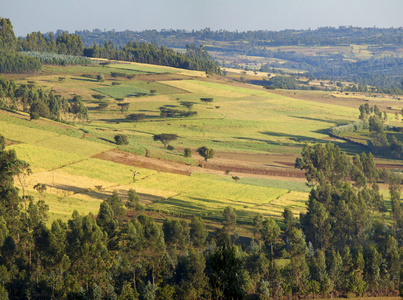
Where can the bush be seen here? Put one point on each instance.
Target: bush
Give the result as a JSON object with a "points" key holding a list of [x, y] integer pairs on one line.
{"points": [[169, 147], [121, 139], [100, 78], [34, 116], [187, 152]]}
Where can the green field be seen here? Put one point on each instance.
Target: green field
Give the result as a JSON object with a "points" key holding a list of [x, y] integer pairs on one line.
{"points": [[241, 119]]}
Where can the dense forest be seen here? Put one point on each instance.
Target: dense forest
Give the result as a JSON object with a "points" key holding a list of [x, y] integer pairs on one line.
{"points": [[195, 58], [325, 36], [341, 246], [64, 45]]}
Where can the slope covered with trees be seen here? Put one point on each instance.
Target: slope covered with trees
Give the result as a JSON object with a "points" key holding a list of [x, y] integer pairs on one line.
{"points": [[195, 58], [340, 246], [379, 70]]}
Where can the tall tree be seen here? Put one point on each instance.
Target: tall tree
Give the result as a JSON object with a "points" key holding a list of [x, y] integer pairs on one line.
{"points": [[297, 253], [198, 232]]}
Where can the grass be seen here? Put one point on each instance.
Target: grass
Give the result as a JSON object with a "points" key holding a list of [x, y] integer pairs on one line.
{"points": [[24, 134], [73, 145], [179, 193], [239, 119], [62, 206], [143, 68], [121, 91], [274, 183], [106, 171], [22, 119], [44, 158]]}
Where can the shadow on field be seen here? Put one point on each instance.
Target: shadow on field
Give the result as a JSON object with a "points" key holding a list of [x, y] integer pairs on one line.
{"points": [[114, 120], [84, 79], [92, 192], [108, 141], [293, 137], [333, 123]]}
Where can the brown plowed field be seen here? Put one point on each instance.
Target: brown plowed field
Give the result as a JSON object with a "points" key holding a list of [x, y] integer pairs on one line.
{"points": [[252, 164]]}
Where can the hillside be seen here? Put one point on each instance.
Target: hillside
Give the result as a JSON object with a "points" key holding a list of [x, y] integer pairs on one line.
{"points": [[114, 178], [256, 134]]}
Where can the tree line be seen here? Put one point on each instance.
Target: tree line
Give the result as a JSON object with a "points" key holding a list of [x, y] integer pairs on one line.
{"points": [[11, 61], [341, 245], [195, 58], [324, 36]]}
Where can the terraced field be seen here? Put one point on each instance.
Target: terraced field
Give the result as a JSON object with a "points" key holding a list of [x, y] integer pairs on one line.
{"points": [[242, 121]]}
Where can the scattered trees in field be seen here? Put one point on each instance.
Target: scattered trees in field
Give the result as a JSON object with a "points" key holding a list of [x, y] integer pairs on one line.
{"points": [[205, 152], [165, 138], [166, 112]]}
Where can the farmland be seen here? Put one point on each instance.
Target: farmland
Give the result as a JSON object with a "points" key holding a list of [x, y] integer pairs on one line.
{"points": [[248, 127]]}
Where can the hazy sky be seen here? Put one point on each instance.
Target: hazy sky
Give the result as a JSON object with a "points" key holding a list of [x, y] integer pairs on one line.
{"points": [[51, 15]]}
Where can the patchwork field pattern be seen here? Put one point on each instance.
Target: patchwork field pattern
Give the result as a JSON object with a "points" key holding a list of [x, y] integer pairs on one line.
{"points": [[240, 119]]}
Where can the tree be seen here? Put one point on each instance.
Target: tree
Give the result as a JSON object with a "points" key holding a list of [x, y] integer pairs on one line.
{"points": [[121, 139], [207, 100], [188, 105], [229, 222], [133, 201], [187, 152], [297, 252], [102, 105], [40, 108], [165, 138], [289, 219], [123, 107], [270, 233], [100, 78], [175, 232], [192, 277], [136, 117], [198, 232], [205, 152], [316, 224], [226, 278], [116, 205]]}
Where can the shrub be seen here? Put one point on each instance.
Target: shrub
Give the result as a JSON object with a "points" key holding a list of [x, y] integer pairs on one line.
{"points": [[169, 147], [187, 152], [121, 139], [100, 78]]}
